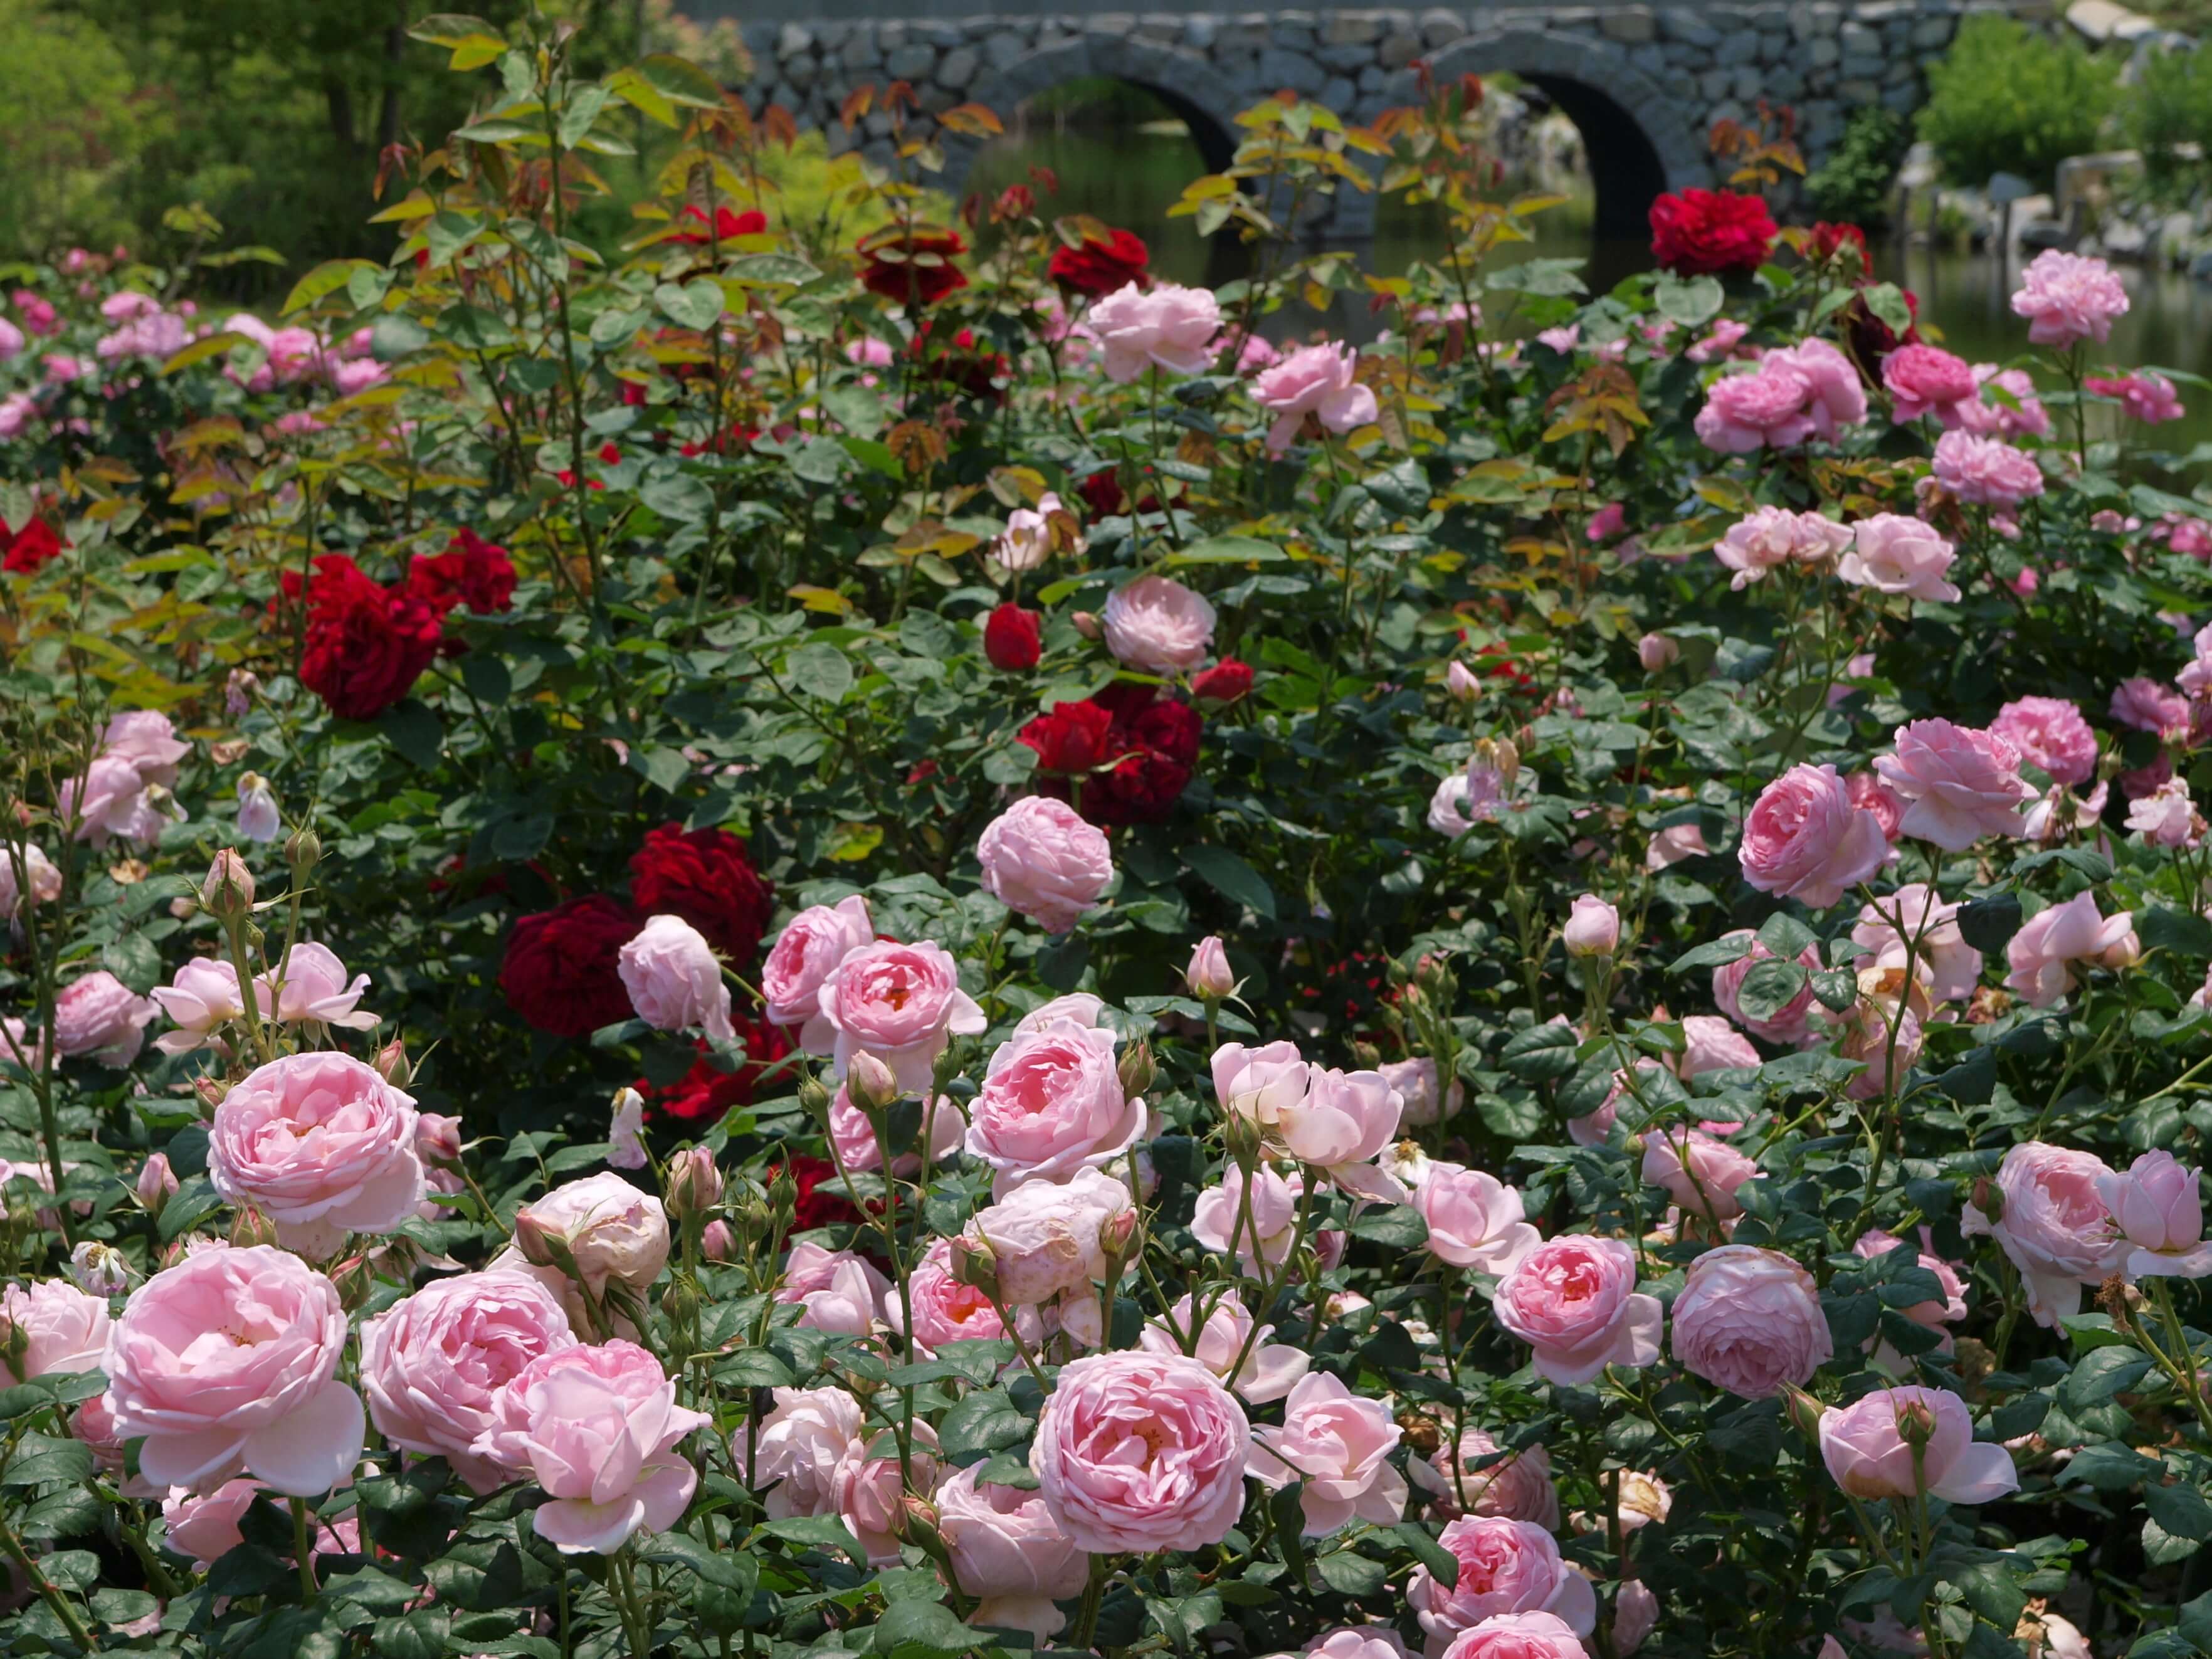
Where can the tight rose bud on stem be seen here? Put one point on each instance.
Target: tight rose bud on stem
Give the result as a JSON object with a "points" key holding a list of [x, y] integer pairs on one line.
{"points": [[227, 892]]}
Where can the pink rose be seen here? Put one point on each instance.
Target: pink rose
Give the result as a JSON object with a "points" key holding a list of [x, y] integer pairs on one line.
{"points": [[1357, 1642], [1041, 859], [2143, 396], [1710, 1044], [41, 881], [1044, 1238], [209, 1528], [1158, 626], [1874, 1244], [1165, 326], [1140, 1452], [1790, 1022], [2042, 954], [1635, 1615], [1699, 1172], [204, 995], [1868, 1450], [1949, 966], [2067, 297], [311, 987], [1338, 1445], [1260, 1083], [1925, 380], [1870, 794], [1052, 1104], [1474, 1219], [51, 1326], [322, 1145], [871, 1488], [1207, 975], [855, 1136], [1773, 537], [1483, 1479], [146, 738], [1749, 1320], [1986, 471], [1317, 380], [1341, 1124], [1891, 554], [837, 1291], [1269, 1226], [595, 1427], [2159, 1208], [1528, 1635], [1415, 1080], [1593, 927], [805, 954], [1504, 1567], [945, 1310], [1723, 338], [674, 979], [431, 1365], [2053, 1225], [1674, 845], [1834, 396], [614, 1234], [1573, 1299], [1746, 412], [2166, 816], [1885, 1037], [2006, 405], [100, 1018], [800, 1447], [1958, 784], [1254, 1369], [2050, 734], [1805, 840], [1008, 1552], [2149, 707], [901, 1003], [228, 1361]]}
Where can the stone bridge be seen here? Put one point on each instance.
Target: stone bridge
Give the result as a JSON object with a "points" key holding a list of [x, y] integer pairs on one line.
{"points": [[1643, 84]]}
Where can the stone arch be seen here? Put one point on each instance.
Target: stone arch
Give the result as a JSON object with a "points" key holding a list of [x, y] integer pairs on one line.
{"points": [[1634, 133]]}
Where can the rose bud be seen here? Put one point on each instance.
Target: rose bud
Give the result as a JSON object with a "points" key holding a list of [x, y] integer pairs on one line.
{"points": [[1460, 681], [814, 1098], [1136, 1071], [303, 851], [1086, 623], [1593, 927], [532, 1238], [392, 1064], [438, 1140], [870, 1083], [974, 1264], [251, 1228], [718, 1243], [355, 1281], [227, 892], [156, 1181], [210, 1090], [1658, 652], [1208, 976], [695, 1183]]}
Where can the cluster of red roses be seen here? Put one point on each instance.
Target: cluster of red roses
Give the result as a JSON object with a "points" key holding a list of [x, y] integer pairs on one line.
{"points": [[1122, 756], [29, 547], [912, 264], [367, 641]]}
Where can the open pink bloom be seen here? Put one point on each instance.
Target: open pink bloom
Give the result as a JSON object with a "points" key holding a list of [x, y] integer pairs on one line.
{"points": [[209, 1526], [1341, 1124], [2147, 397], [945, 1310], [1270, 1224], [1874, 1243], [806, 1438], [855, 1136], [1987, 472], [59, 1329], [226, 1363], [311, 988], [1339, 1444], [41, 883], [1766, 408], [1958, 784], [1044, 1236], [1357, 1642], [1868, 1450], [2053, 1225], [1719, 342], [1942, 958], [2068, 297], [1041, 859], [1415, 1080], [1267, 1371], [1573, 1299], [1771, 537], [2006, 405], [2159, 1208], [1008, 1552], [2042, 954], [871, 1491], [1925, 380], [1749, 1320], [100, 1018], [1540, 1635], [1317, 380], [1700, 1171], [1504, 1567], [1158, 626], [613, 1232], [322, 1145], [1165, 326], [1893, 554], [1806, 840], [2050, 734], [805, 955], [1052, 1104], [1474, 1219], [1710, 1044], [1260, 1083], [2149, 707], [597, 1428], [1479, 1481], [837, 1291], [902, 1003], [1141, 1452], [1885, 1037], [674, 979], [1788, 1023], [2166, 816], [148, 739]]}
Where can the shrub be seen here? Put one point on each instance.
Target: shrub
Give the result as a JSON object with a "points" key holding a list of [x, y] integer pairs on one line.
{"points": [[1852, 186], [2010, 99], [2169, 107]]}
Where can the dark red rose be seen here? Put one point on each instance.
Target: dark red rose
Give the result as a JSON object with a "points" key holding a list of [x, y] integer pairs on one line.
{"points": [[560, 972], [1824, 241], [1225, 683], [470, 572], [912, 267], [30, 547], [751, 222], [1103, 494], [1096, 268], [1013, 639], [707, 877], [1157, 741], [816, 1209], [1710, 233], [704, 1093], [921, 773], [367, 644], [1872, 339], [1071, 739]]}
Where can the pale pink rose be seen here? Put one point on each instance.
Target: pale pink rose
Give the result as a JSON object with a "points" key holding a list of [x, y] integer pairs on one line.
{"points": [[1563, 339], [1726, 334], [805, 953], [1886, 1038], [2166, 816], [1260, 1083], [1674, 845], [1158, 626], [1791, 1023], [614, 1234], [2054, 1225], [1341, 1124], [209, 1528], [11, 339], [1254, 1369], [1139, 1452], [1536, 1635], [1452, 809], [1474, 1219], [2158, 1207], [41, 883], [2042, 954], [1988, 471], [1710, 1044], [1749, 1320], [1270, 1227], [1806, 840], [1834, 396], [1041, 859], [1925, 380], [1772, 537], [1415, 1080], [1357, 1642], [51, 1327], [1008, 1552], [1635, 1615], [1868, 1452], [2147, 706], [1165, 326], [2068, 297], [1764, 408], [100, 1018], [1051, 1104], [1208, 974], [835, 1290], [2050, 734], [945, 1310], [2143, 395], [431, 1365], [322, 1145], [802, 1445], [1874, 1243], [2007, 406], [1339, 1444], [1959, 784], [150, 742], [1481, 1479], [1593, 927], [1699, 1172], [311, 987], [1942, 958], [1044, 1238], [854, 1137], [596, 1428], [1870, 794], [2062, 1638], [871, 1490], [1573, 1299], [1504, 1567], [18, 410], [1317, 380], [674, 979], [901, 1003], [259, 818], [228, 1361], [1891, 554]]}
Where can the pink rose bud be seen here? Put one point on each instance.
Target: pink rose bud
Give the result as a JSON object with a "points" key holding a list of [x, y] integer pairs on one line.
{"points": [[1657, 652], [1461, 681], [871, 1085], [719, 1243], [1593, 927], [392, 1065], [250, 1228], [227, 892], [695, 1182], [157, 1181], [1900, 1443], [1086, 623], [1208, 976], [438, 1140], [674, 979]]}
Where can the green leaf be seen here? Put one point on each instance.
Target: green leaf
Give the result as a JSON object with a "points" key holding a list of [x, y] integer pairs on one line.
{"points": [[923, 1627], [696, 305], [40, 1460], [1541, 1053], [857, 409], [1398, 1225], [1989, 1590], [2184, 932], [1443, 1564], [1693, 304], [1231, 877], [2099, 1375], [132, 959], [2181, 1511], [1349, 1573], [1887, 303], [1717, 954], [413, 728], [1988, 924], [1771, 986], [986, 1420], [821, 671], [1183, 1619], [772, 271], [1224, 549], [327, 277], [818, 1532]]}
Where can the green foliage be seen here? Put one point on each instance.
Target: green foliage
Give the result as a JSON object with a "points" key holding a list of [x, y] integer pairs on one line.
{"points": [[71, 130], [2009, 99], [2172, 106], [1852, 185]]}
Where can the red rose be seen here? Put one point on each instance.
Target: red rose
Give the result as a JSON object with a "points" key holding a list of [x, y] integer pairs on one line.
{"points": [[705, 1093], [1825, 241], [560, 970], [912, 266], [30, 547], [1711, 232], [1013, 639], [1871, 338], [472, 571], [727, 225], [1103, 494], [367, 645], [1225, 683], [1099, 267], [1071, 739], [1157, 740], [707, 877]]}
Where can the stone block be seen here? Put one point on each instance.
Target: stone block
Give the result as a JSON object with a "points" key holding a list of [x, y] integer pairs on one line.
{"points": [[1632, 25], [1855, 93], [782, 93], [1867, 65], [1338, 94], [1294, 37], [1679, 23], [1440, 27], [1652, 60], [1823, 54], [1345, 60], [793, 39], [1001, 50], [891, 35], [1372, 80], [1716, 84], [911, 62], [1751, 82], [943, 36], [1352, 28], [1740, 47], [860, 52], [1279, 69], [1198, 34], [1784, 83], [957, 69], [800, 72]]}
